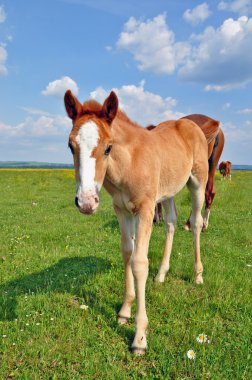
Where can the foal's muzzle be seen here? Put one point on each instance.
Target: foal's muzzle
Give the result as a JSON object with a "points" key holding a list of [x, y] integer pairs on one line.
{"points": [[87, 204]]}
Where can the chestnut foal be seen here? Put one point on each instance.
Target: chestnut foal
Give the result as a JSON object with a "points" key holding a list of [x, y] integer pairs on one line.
{"points": [[138, 169]]}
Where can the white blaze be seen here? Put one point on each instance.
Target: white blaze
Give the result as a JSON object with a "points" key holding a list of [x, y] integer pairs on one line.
{"points": [[87, 138]]}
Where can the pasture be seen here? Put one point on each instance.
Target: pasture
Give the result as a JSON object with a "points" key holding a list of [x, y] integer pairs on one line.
{"points": [[54, 260]]}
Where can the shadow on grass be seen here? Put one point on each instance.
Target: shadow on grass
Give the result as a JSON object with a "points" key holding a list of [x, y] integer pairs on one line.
{"points": [[72, 276], [57, 278]]}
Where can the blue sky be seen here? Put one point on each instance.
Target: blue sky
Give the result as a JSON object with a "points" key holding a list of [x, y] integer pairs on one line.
{"points": [[165, 59]]}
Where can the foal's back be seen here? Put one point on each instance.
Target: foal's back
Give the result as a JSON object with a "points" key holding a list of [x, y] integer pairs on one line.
{"points": [[181, 149]]}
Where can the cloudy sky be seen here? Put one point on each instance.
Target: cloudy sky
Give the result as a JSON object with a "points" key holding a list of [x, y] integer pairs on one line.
{"points": [[165, 59]]}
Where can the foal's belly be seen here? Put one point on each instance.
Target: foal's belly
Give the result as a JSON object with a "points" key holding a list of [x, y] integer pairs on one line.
{"points": [[172, 185]]}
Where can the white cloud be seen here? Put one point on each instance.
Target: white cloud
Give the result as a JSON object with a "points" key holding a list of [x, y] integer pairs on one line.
{"points": [[3, 51], [140, 105], [3, 58], [223, 57], [153, 45], [36, 127], [59, 86], [220, 59], [35, 111], [224, 87], [245, 111], [243, 7], [198, 14], [2, 14], [235, 134], [40, 137]]}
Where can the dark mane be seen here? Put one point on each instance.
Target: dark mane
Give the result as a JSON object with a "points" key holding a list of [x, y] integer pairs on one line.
{"points": [[150, 127]]}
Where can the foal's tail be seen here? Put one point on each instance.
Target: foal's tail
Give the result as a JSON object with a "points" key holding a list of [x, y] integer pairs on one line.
{"points": [[211, 129]]}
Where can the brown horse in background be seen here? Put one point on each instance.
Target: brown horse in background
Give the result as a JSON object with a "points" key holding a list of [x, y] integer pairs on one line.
{"points": [[138, 168], [215, 148], [225, 168]]}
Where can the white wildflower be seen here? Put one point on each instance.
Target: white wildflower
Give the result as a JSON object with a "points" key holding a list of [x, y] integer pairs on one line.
{"points": [[202, 338], [191, 355], [83, 307]]}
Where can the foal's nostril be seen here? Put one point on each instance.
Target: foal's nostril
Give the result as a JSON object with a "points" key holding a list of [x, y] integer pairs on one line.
{"points": [[76, 202], [96, 199]]}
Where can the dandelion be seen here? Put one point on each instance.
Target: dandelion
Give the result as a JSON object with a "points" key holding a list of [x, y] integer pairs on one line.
{"points": [[4, 336], [191, 355], [202, 338], [13, 344], [37, 324], [83, 307], [51, 319]]}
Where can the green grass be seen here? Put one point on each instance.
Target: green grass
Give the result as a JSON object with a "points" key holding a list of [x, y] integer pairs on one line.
{"points": [[53, 259]]}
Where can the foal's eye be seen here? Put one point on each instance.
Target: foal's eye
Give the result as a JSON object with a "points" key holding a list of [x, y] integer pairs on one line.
{"points": [[107, 150], [71, 148]]}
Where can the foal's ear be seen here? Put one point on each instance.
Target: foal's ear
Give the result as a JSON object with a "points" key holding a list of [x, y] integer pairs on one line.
{"points": [[110, 107], [72, 104]]}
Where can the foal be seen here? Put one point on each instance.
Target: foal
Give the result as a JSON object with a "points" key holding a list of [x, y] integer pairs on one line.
{"points": [[137, 169]]}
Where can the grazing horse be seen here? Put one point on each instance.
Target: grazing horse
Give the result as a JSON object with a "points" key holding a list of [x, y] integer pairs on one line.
{"points": [[138, 168], [215, 148], [225, 168]]}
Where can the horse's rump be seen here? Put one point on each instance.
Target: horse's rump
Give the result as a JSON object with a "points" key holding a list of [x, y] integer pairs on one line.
{"points": [[209, 126]]}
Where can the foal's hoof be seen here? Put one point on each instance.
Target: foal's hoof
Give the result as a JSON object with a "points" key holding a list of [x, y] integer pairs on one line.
{"points": [[160, 278], [138, 351], [199, 280], [204, 228], [187, 227], [122, 320]]}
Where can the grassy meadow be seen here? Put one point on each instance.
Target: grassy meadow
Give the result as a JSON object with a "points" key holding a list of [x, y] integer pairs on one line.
{"points": [[53, 260]]}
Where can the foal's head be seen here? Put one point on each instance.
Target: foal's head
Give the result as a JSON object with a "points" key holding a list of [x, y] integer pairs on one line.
{"points": [[90, 142]]}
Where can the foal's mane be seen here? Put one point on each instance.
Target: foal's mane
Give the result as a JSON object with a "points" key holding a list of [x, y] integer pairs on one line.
{"points": [[92, 107]]}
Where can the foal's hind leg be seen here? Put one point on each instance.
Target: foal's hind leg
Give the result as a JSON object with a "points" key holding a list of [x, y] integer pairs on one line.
{"points": [[209, 197], [196, 222], [127, 227], [170, 224]]}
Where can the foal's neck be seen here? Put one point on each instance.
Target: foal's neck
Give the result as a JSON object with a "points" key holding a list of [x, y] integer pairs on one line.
{"points": [[126, 140]]}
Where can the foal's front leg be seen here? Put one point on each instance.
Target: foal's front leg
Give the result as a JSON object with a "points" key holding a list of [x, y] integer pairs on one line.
{"points": [[127, 227], [140, 266]]}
